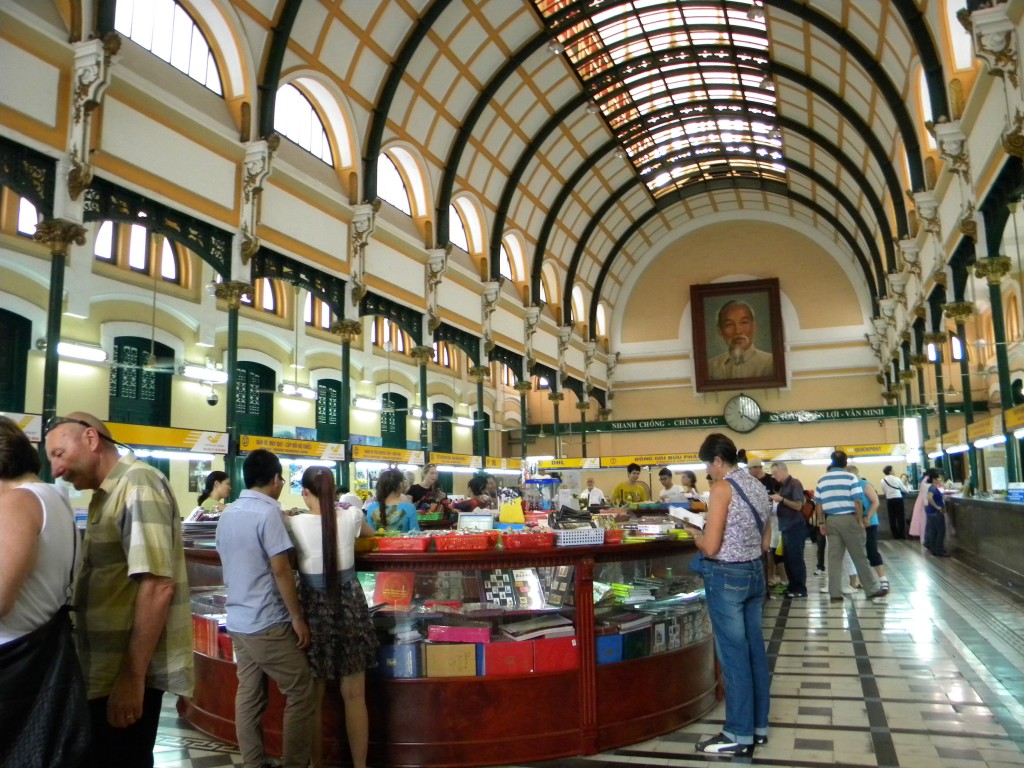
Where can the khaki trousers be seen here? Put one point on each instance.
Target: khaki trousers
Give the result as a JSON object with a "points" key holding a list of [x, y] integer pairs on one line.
{"points": [[272, 653], [846, 534]]}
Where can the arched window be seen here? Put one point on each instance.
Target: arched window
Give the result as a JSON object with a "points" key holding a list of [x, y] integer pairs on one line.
{"points": [[602, 321], [297, 119], [457, 229], [264, 296], [383, 331], [514, 254], [136, 249], [504, 264], [392, 420], [166, 30], [469, 218], [543, 291], [577, 305], [254, 398], [317, 314], [960, 43], [328, 405], [28, 218], [15, 337], [140, 386], [926, 105], [391, 185], [444, 355]]}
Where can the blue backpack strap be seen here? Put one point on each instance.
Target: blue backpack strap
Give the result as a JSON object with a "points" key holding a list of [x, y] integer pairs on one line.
{"points": [[753, 509]]}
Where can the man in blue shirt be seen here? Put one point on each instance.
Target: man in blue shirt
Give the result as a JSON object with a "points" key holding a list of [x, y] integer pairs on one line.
{"points": [[839, 496], [265, 619]]}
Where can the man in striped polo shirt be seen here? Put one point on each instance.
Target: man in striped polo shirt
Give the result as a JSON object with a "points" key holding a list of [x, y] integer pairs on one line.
{"points": [[839, 496]]}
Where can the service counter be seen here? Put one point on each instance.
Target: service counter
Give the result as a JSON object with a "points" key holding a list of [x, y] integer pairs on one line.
{"points": [[613, 690], [989, 535]]}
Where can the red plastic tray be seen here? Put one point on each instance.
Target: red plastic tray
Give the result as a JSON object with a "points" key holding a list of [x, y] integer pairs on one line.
{"points": [[526, 541], [468, 541], [403, 543], [613, 536]]}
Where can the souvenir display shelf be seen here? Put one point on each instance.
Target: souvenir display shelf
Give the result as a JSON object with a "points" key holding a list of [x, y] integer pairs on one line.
{"points": [[586, 705]]}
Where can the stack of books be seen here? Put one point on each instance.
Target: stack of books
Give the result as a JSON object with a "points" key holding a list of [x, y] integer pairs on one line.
{"points": [[626, 621], [548, 625]]}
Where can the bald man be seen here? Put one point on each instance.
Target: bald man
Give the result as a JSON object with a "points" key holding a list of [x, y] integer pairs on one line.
{"points": [[131, 594]]}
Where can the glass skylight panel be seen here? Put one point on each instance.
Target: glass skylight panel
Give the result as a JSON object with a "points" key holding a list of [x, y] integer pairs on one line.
{"points": [[712, 59]]}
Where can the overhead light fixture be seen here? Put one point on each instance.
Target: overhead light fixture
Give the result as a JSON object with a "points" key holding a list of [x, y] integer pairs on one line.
{"points": [[366, 404], [986, 442], [775, 133], [962, 448], [202, 373], [291, 389], [556, 48], [418, 413], [935, 455], [755, 13], [620, 154], [767, 84], [464, 421], [592, 108], [74, 350]]}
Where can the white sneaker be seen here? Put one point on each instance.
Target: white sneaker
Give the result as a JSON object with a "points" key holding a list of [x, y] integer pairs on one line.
{"points": [[824, 590], [848, 590]]}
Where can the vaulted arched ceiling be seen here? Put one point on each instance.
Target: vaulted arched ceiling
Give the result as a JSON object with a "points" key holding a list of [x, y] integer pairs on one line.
{"points": [[592, 128]]}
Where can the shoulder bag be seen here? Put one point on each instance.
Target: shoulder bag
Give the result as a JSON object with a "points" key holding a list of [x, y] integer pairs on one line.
{"points": [[696, 563]]}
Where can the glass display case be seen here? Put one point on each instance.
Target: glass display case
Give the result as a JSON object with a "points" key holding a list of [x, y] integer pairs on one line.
{"points": [[498, 656]]}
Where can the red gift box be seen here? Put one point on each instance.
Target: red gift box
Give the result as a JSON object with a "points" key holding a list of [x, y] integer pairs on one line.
{"points": [[555, 654], [459, 634], [510, 658], [227, 650]]}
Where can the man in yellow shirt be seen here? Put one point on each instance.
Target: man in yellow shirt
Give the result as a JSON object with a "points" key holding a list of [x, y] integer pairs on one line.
{"points": [[631, 490]]}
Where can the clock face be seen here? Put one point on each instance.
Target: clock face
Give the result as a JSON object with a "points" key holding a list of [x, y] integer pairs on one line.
{"points": [[742, 413]]}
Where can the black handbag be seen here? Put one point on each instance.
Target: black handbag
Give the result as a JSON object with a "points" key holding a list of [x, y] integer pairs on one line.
{"points": [[44, 715]]}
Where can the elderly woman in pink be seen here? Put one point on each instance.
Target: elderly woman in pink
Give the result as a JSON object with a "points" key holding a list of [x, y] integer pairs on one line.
{"points": [[917, 521]]}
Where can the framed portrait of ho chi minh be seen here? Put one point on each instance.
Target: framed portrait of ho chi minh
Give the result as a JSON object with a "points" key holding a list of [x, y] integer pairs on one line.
{"points": [[737, 336]]}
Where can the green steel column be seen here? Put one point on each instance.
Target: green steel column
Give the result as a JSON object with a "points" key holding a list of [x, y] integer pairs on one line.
{"points": [[422, 354], [958, 312], [993, 269], [232, 292], [58, 234], [919, 361], [938, 339], [556, 398], [347, 331], [583, 406], [523, 387], [478, 374]]}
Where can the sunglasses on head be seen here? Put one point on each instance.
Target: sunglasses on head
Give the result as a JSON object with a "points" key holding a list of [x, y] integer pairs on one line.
{"points": [[56, 421]]}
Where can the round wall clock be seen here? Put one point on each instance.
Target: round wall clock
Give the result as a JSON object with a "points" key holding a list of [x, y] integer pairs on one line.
{"points": [[742, 413]]}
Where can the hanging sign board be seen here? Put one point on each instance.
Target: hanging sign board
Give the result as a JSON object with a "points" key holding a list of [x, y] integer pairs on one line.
{"points": [[594, 463], [493, 462], [650, 459], [956, 437], [880, 449], [169, 437], [933, 445], [454, 459], [286, 447], [387, 455], [983, 428], [1014, 418], [29, 423]]}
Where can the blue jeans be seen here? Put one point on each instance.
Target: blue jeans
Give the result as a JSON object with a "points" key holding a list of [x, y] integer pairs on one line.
{"points": [[793, 541], [735, 596], [935, 533]]}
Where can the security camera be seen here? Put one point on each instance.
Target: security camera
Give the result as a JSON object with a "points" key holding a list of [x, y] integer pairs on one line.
{"points": [[212, 398]]}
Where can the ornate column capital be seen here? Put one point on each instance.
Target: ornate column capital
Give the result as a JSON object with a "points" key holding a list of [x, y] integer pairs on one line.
{"points": [[582, 406], [603, 414], [919, 361], [907, 376], [347, 330], [232, 292], [993, 269], [959, 311], [422, 354], [556, 397], [522, 387], [479, 373], [59, 235], [935, 337]]}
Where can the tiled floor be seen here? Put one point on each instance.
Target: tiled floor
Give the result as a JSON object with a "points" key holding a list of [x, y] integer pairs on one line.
{"points": [[933, 677]]}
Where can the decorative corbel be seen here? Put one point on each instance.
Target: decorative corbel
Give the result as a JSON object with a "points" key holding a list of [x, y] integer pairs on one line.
{"points": [[564, 339], [881, 326], [887, 307], [437, 265], [363, 222], [530, 322], [613, 361], [968, 224], [1012, 138], [258, 160], [952, 145], [959, 311], [488, 303], [911, 257], [897, 283], [995, 41], [928, 212], [91, 78]]}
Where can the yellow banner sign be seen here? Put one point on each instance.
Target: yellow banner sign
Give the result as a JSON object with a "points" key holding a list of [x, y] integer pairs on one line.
{"points": [[594, 463], [493, 462], [956, 437], [168, 437], [389, 455], [880, 449], [650, 459], [933, 445], [287, 447], [983, 428], [454, 459], [29, 423], [1014, 418]]}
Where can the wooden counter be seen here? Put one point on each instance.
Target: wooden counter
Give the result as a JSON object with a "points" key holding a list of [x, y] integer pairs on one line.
{"points": [[478, 721], [989, 536]]}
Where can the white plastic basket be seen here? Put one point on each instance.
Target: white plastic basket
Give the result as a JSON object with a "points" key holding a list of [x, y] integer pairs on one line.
{"points": [[578, 537]]}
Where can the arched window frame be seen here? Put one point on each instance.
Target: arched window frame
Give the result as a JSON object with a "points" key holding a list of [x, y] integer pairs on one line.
{"points": [[317, 314], [457, 233], [578, 315], [602, 320], [959, 44], [317, 129], [512, 248], [266, 297], [924, 106], [171, 16], [383, 330], [472, 221], [445, 355], [118, 244]]}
